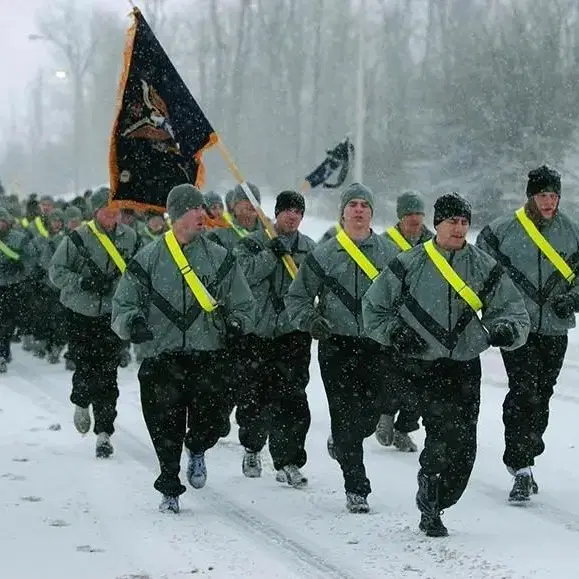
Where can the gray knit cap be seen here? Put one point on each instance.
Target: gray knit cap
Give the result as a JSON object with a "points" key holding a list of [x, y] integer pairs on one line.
{"points": [[409, 202], [73, 213], [211, 197], [239, 193], [183, 198], [100, 198], [356, 191]]}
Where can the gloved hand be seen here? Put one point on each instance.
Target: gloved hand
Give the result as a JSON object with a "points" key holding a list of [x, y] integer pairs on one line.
{"points": [[140, 332], [320, 328], [564, 305], [98, 285], [502, 335], [233, 328], [278, 248], [406, 340]]}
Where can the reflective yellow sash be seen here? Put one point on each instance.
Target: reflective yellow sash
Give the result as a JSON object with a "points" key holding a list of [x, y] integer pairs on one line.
{"points": [[205, 299], [398, 239], [40, 227], [109, 247], [8, 252], [453, 279], [239, 230], [24, 222], [354, 252], [546, 248]]}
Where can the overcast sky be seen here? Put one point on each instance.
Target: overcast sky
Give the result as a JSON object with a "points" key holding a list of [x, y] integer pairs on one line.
{"points": [[20, 58]]}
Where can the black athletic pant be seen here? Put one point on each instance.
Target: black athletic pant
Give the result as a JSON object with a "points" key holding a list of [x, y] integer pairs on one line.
{"points": [[95, 350], [274, 401], [11, 298], [400, 394], [182, 398], [351, 370], [50, 324], [450, 414], [532, 370]]}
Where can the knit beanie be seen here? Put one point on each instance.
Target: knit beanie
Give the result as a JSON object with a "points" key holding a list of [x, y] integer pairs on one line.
{"points": [[47, 198], [543, 179], [451, 205], [356, 191], [211, 198], [239, 193], [181, 199], [289, 200], [409, 202], [57, 214], [100, 198], [5, 215], [72, 213]]}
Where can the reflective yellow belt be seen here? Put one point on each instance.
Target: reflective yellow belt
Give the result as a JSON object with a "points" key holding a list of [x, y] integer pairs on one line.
{"points": [[202, 295], [24, 222], [9, 253], [546, 248], [40, 227], [354, 252], [239, 230], [109, 247], [398, 239], [453, 279]]}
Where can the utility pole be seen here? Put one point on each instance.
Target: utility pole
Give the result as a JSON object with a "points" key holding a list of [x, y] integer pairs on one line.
{"points": [[360, 96]]}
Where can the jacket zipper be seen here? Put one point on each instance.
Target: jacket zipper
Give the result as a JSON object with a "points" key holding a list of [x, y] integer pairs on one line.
{"points": [[184, 342], [357, 299], [539, 288], [106, 272], [450, 303]]}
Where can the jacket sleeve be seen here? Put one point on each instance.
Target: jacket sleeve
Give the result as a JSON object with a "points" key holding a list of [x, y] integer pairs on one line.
{"points": [[130, 301], [482, 241], [300, 298], [256, 261], [380, 306], [237, 298], [64, 266], [507, 305]]}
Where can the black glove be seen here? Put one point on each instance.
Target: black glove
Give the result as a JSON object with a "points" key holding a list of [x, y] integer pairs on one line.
{"points": [[278, 248], [98, 285], [406, 340], [233, 328], [320, 328], [502, 335], [140, 332], [564, 305]]}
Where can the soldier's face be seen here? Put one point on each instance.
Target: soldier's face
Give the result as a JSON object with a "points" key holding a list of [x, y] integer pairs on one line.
{"points": [[192, 222], [245, 214], [547, 203], [451, 233], [288, 221], [156, 224], [46, 207], [73, 224], [108, 217], [357, 214], [216, 210], [56, 225], [412, 223], [4, 226]]}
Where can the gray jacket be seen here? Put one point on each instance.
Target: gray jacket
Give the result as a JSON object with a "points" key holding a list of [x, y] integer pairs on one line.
{"points": [[81, 255], [152, 288], [425, 235], [228, 237], [534, 275], [269, 280], [331, 275], [17, 271], [413, 289]]}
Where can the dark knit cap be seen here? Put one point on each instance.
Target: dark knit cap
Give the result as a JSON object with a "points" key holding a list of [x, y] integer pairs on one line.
{"points": [[239, 193], [100, 198], [451, 205], [289, 200], [356, 191], [182, 199], [211, 198], [543, 179]]}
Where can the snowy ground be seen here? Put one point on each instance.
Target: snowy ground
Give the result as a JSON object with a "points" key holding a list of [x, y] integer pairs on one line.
{"points": [[66, 515]]}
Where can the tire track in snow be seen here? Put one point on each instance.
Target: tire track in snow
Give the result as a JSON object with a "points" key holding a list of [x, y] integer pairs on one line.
{"points": [[309, 562]]}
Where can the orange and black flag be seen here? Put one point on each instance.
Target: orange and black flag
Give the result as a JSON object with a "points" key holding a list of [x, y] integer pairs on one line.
{"points": [[160, 132]]}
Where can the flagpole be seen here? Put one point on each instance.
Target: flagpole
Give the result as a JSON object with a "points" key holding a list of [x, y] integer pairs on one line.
{"points": [[228, 158], [360, 97]]}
